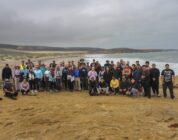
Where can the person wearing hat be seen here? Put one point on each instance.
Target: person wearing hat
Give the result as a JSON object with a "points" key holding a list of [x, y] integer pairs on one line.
{"points": [[168, 81], [114, 85], [155, 74], [9, 89]]}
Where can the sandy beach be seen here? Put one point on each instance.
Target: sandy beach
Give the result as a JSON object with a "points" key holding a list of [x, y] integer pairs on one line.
{"points": [[77, 116]]}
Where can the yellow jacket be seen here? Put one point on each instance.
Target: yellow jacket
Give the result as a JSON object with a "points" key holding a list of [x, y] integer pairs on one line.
{"points": [[114, 83], [22, 67]]}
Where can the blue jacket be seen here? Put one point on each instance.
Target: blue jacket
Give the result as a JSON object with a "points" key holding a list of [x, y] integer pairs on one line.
{"points": [[76, 73]]}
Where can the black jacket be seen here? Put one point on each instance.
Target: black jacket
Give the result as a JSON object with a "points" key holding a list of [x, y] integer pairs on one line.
{"points": [[155, 73], [6, 73], [107, 76], [117, 73]]}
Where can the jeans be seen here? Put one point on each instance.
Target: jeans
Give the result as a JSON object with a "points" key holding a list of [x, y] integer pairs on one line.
{"points": [[170, 86]]}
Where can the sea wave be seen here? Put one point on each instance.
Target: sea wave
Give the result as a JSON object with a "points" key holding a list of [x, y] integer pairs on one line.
{"points": [[102, 59]]}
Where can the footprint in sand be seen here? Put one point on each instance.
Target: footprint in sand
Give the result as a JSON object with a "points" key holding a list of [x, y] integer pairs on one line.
{"points": [[27, 135], [8, 124]]}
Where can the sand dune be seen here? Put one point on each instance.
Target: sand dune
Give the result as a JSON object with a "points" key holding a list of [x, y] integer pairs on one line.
{"points": [[77, 116]]}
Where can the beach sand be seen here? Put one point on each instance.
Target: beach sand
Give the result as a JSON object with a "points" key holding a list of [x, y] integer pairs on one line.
{"points": [[77, 116]]}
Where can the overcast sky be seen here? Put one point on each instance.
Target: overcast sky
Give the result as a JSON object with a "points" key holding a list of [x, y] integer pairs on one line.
{"points": [[90, 23]]}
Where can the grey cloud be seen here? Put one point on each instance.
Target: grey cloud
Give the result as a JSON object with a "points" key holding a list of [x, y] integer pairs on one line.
{"points": [[99, 23]]}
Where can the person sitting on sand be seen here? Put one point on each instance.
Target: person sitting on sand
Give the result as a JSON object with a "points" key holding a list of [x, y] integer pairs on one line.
{"points": [[114, 84], [124, 86], [9, 89], [25, 87], [103, 87], [134, 88], [93, 87]]}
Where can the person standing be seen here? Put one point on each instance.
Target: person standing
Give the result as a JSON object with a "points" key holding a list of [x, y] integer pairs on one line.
{"points": [[16, 77], [77, 79], [107, 76], [155, 74], [168, 81], [38, 78], [6, 73], [145, 80], [83, 77]]}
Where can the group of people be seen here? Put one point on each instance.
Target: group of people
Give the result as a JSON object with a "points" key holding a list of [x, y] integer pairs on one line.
{"points": [[109, 79]]}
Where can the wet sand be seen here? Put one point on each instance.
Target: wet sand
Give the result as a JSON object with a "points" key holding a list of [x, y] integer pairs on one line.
{"points": [[77, 116]]}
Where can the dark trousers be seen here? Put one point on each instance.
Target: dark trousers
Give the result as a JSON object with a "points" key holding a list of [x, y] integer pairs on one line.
{"points": [[155, 87], [70, 85], [92, 91], [11, 95], [168, 85], [84, 83], [47, 84], [58, 84], [52, 85], [147, 88], [65, 83], [32, 84], [25, 92], [37, 83]]}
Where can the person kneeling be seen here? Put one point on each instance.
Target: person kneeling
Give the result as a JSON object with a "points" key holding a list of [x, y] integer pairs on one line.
{"points": [[9, 90], [24, 88], [124, 86], [103, 87], [114, 84], [134, 88], [93, 87]]}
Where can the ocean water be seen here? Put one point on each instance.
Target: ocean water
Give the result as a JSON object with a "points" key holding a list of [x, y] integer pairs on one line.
{"points": [[159, 58]]}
